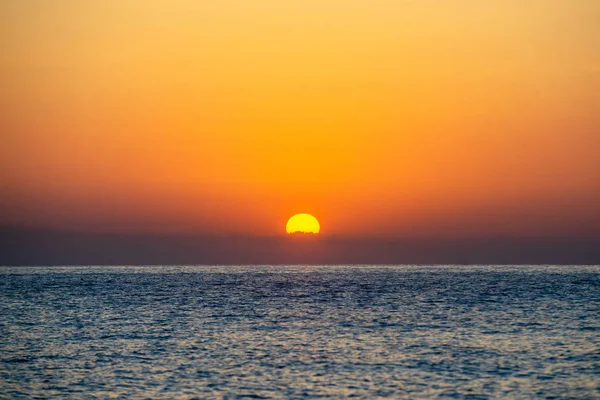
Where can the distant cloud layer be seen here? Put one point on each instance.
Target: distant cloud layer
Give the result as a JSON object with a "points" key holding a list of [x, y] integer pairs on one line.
{"points": [[56, 248]]}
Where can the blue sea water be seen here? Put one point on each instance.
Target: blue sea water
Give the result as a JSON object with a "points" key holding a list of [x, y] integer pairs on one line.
{"points": [[300, 332]]}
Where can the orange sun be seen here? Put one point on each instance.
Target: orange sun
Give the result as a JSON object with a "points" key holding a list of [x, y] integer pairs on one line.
{"points": [[303, 223]]}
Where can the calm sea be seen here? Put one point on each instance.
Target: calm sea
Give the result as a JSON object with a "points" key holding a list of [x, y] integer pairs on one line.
{"points": [[300, 332]]}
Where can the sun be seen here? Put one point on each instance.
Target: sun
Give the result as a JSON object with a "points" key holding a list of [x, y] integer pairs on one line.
{"points": [[303, 223]]}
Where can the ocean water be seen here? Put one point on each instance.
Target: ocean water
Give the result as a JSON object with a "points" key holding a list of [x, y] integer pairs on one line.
{"points": [[300, 332]]}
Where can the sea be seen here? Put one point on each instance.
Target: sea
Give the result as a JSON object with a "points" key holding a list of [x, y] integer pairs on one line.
{"points": [[300, 332]]}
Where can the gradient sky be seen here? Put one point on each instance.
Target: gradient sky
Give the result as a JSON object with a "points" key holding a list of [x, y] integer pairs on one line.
{"points": [[380, 117]]}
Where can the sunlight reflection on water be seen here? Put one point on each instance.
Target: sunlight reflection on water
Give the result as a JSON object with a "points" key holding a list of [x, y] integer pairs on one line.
{"points": [[300, 331]]}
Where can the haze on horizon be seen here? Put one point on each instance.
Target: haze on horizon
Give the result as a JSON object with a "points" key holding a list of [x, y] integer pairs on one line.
{"points": [[381, 118]]}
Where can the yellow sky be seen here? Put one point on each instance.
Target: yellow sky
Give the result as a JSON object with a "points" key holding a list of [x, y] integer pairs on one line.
{"points": [[420, 117]]}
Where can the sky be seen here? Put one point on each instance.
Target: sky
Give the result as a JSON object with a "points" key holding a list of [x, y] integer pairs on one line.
{"points": [[383, 118]]}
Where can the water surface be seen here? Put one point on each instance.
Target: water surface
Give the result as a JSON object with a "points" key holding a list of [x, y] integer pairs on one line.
{"points": [[300, 331]]}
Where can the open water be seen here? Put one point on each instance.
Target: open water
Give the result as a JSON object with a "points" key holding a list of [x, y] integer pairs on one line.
{"points": [[300, 332]]}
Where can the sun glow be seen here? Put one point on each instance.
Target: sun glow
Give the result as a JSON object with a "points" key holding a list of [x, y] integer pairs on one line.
{"points": [[303, 223]]}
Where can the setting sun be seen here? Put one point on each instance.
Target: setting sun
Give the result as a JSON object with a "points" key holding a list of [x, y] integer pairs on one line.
{"points": [[303, 223]]}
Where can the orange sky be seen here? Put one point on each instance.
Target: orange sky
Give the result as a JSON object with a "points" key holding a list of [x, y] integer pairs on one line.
{"points": [[380, 117]]}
